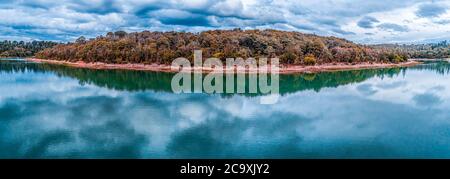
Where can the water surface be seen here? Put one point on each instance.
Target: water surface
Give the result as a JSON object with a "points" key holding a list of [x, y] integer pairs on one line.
{"points": [[49, 111]]}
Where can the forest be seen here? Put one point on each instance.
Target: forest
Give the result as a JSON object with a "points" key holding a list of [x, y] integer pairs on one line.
{"points": [[23, 49], [162, 47]]}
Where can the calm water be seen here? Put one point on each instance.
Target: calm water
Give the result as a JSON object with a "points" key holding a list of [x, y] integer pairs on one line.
{"points": [[49, 111]]}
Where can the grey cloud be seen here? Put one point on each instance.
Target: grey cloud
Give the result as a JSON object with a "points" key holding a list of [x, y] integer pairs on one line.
{"points": [[427, 99], [442, 21], [332, 22], [103, 7], [392, 85], [393, 27], [367, 22], [345, 9], [342, 32], [366, 89], [305, 27], [44, 142], [431, 10], [177, 17]]}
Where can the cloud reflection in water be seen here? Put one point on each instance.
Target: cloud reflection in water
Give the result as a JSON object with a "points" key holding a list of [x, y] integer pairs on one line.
{"points": [[47, 112]]}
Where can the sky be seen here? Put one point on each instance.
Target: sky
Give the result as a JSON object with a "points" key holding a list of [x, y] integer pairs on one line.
{"points": [[361, 21]]}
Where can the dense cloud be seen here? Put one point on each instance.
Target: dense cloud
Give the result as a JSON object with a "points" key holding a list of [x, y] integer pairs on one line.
{"points": [[367, 22], [65, 20], [393, 27], [431, 10]]}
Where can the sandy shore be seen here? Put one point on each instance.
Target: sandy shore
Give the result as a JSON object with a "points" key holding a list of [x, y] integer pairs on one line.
{"points": [[285, 69]]}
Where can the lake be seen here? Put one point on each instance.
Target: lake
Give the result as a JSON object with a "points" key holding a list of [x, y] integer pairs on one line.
{"points": [[50, 111]]}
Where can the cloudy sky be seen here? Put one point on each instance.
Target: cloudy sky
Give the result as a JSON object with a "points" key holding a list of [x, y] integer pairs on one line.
{"points": [[362, 21]]}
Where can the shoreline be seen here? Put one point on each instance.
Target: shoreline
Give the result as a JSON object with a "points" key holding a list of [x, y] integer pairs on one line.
{"points": [[430, 59], [284, 69]]}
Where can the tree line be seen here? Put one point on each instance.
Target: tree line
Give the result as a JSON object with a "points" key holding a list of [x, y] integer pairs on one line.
{"points": [[431, 51], [162, 47], [23, 49]]}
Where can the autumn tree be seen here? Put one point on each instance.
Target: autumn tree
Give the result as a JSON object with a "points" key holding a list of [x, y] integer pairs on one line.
{"points": [[162, 47]]}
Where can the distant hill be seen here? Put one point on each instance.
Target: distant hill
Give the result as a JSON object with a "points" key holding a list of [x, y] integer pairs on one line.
{"points": [[430, 50], [162, 47]]}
